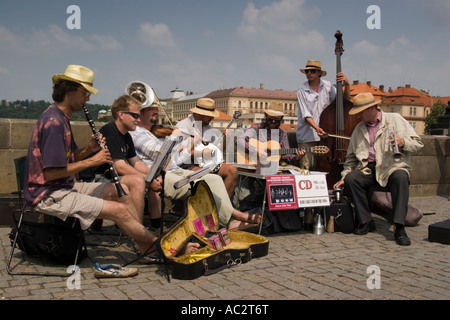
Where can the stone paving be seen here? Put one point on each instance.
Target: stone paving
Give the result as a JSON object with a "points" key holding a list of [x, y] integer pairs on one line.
{"points": [[299, 266]]}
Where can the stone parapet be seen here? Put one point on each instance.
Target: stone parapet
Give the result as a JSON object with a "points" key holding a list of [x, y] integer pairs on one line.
{"points": [[15, 136], [430, 174]]}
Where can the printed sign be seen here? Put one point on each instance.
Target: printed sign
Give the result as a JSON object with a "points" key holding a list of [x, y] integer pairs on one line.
{"points": [[281, 192], [312, 190]]}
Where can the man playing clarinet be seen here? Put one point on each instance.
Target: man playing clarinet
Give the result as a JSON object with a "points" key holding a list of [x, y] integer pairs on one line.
{"points": [[54, 159]]}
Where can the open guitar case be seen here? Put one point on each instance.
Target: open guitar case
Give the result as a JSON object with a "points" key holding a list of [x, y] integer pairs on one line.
{"points": [[220, 248]]}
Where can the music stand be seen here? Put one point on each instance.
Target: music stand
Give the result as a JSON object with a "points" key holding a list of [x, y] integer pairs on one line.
{"points": [[163, 158]]}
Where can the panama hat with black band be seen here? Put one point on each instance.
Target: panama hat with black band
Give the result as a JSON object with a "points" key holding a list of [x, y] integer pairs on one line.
{"points": [[363, 101], [205, 107], [314, 65], [78, 74]]}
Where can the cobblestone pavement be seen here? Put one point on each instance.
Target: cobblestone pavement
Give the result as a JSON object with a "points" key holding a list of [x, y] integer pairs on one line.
{"points": [[299, 266]]}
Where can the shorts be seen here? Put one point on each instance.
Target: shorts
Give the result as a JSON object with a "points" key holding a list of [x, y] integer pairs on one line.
{"points": [[82, 202]]}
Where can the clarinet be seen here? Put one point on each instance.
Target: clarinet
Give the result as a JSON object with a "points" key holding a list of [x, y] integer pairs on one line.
{"points": [[115, 177]]}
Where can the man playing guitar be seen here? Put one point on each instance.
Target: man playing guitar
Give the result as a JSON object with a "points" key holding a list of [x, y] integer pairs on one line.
{"points": [[256, 141]]}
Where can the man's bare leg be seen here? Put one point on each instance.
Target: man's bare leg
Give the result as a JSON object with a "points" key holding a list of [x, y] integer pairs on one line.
{"points": [[230, 177], [136, 195], [120, 214]]}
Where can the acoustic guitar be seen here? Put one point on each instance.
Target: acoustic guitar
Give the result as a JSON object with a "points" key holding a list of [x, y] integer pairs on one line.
{"points": [[273, 150]]}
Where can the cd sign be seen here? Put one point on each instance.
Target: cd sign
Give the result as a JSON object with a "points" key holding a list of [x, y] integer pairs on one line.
{"points": [[305, 184]]}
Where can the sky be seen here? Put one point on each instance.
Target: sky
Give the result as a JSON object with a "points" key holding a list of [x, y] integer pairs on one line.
{"points": [[206, 45]]}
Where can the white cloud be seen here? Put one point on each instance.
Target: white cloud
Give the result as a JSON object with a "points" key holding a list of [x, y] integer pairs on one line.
{"points": [[397, 63], [157, 35], [282, 27], [53, 40], [282, 16], [105, 42]]}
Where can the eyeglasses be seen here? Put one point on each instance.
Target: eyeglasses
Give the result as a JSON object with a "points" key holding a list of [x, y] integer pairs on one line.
{"points": [[312, 71], [134, 115], [87, 94]]}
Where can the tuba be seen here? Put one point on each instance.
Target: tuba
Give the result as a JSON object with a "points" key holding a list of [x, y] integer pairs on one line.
{"points": [[141, 91]]}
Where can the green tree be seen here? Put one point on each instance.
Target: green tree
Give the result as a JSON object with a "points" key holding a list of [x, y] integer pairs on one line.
{"points": [[437, 110], [30, 109]]}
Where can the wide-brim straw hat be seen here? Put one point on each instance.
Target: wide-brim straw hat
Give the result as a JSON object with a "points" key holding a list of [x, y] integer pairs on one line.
{"points": [[142, 92], [275, 110], [205, 107], [78, 74], [314, 64], [363, 101]]}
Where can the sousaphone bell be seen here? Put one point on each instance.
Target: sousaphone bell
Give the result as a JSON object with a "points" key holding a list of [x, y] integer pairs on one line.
{"points": [[141, 91]]}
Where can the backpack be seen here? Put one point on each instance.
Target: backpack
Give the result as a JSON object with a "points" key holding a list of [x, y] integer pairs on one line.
{"points": [[58, 241]]}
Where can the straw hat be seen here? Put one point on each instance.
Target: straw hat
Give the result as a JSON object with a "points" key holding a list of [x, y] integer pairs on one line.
{"points": [[275, 110], [363, 101], [314, 64], [205, 107], [78, 74]]}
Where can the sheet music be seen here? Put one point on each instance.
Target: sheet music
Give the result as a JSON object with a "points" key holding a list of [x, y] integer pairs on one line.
{"points": [[162, 159], [196, 175]]}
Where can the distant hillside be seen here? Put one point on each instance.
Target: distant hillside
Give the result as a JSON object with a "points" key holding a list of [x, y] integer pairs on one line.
{"points": [[30, 109]]}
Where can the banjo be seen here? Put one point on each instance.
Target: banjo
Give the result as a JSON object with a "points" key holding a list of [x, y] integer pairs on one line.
{"points": [[216, 157]]}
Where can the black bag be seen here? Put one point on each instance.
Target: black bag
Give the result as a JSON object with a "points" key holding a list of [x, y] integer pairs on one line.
{"points": [[274, 221], [439, 232], [281, 221], [57, 241], [344, 218]]}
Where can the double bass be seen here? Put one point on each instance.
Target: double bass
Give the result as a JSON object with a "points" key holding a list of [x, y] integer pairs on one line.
{"points": [[338, 124]]}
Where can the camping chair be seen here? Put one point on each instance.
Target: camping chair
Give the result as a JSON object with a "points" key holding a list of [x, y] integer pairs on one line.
{"points": [[30, 222]]}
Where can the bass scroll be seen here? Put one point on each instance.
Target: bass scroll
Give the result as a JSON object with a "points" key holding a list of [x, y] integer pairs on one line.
{"points": [[114, 176]]}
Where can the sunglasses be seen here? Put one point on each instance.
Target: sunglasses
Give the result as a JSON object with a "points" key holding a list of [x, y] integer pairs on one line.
{"points": [[134, 115], [312, 71], [274, 120]]}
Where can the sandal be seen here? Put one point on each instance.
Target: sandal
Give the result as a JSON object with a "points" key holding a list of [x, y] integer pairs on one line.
{"points": [[113, 271]]}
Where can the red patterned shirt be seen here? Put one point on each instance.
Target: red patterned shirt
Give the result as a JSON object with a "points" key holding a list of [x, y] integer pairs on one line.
{"points": [[51, 145]]}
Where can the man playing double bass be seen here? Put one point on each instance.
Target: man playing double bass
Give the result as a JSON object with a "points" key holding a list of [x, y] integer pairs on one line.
{"points": [[313, 97]]}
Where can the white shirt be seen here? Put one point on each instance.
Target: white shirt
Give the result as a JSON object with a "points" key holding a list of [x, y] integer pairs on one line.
{"points": [[311, 104], [190, 128], [146, 145]]}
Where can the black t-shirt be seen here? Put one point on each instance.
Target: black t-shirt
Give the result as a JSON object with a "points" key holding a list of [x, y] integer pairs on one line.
{"points": [[119, 145]]}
